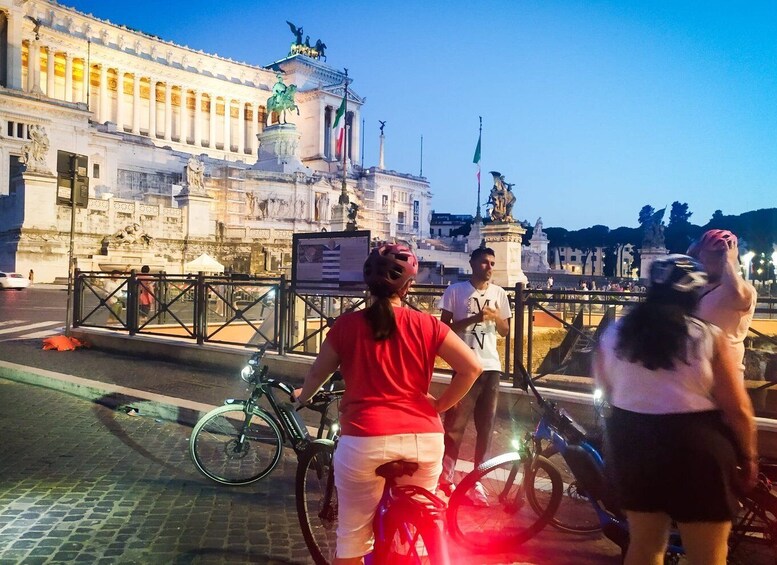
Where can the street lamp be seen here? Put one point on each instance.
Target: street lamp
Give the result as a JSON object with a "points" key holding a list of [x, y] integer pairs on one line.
{"points": [[747, 258]]}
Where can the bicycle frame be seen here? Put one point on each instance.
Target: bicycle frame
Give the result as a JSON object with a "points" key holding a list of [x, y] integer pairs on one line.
{"points": [[558, 428]]}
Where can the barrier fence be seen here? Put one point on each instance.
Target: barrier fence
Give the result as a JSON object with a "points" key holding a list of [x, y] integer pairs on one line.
{"points": [[552, 332]]}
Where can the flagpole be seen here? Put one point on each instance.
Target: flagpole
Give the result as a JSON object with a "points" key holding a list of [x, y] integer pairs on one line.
{"points": [[422, 157], [478, 217], [344, 189]]}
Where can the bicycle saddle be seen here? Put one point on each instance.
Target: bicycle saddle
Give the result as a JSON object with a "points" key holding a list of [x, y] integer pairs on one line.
{"points": [[394, 469]]}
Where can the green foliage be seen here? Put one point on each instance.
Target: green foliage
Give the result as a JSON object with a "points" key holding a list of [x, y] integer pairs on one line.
{"points": [[645, 214]]}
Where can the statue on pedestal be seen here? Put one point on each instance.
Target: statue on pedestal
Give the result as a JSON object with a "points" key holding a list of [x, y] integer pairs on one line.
{"points": [[34, 153], [195, 176], [282, 99], [501, 200], [653, 231]]}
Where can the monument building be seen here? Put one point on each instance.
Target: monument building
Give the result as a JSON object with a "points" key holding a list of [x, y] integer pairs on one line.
{"points": [[169, 152]]}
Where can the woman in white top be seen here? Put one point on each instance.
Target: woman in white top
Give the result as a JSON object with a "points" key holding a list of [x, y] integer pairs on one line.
{"points": [[681, 422]]}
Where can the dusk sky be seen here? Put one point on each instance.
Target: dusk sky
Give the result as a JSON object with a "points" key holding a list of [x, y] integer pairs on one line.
{"points": [[592, 108]]}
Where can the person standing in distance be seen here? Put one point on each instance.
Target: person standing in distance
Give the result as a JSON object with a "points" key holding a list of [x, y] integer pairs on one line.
{"points": [[477, 310], [728, 300]]}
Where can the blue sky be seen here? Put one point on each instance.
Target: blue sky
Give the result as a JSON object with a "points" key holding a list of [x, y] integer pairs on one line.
{"points": [[592, 108]]}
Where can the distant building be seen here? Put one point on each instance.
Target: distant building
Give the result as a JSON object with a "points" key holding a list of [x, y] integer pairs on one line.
{"points": [[442, 224], [577, 262]]}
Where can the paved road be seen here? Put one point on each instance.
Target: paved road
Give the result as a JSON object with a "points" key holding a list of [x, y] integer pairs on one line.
{"points": [[86, 483], [33, 313]]}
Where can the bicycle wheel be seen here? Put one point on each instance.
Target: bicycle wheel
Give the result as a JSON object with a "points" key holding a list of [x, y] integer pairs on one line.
{"points": [[575, 513], [410, 541], [488, 512], [317, 500], [231, 451], [753, 538]]}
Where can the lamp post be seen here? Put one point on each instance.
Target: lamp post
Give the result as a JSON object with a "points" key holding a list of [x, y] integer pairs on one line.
{"points": [[747, 259]]}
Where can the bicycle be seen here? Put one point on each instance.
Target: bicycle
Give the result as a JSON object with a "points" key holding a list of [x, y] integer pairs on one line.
{"points": [[240, 442], [487, 511], [409, 521]]}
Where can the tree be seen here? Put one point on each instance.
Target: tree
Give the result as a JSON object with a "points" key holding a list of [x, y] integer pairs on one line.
{"points": [[717, 217], [679, 231], [645, 214], [587, 240]]}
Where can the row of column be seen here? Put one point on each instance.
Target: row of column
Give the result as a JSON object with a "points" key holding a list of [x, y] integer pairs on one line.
{"points": [[70, 93], [127, 115]]}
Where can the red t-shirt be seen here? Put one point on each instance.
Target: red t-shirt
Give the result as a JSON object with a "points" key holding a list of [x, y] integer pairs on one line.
{"points": [[386, 382]]}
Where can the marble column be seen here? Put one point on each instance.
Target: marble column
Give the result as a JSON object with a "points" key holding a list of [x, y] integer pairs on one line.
{"points": [[184, 113], [253, 130], [227, 124], [87, 82], [68, 77], [50, 70], [13, 64], [212, 130], [105, 114], [168, 112], [241, 127], [136, 104], [119, 100], [152, 108], [31, 48], [198, 118]]}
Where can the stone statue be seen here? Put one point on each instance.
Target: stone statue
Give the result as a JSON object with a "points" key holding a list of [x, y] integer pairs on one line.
{"points": [[195, 175], [297, 31], [382, 125], [34, 153], [537, 233], [282, 98], [653, 231], [501, 199], [320, 47], [322, 207], [132, 233]]}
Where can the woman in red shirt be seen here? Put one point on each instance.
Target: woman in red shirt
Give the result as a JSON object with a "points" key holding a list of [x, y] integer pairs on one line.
{"points": [[386, 354]]}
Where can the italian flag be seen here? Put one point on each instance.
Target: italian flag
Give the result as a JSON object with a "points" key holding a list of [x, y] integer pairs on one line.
{"points": [[341, 133], [476, 158]]}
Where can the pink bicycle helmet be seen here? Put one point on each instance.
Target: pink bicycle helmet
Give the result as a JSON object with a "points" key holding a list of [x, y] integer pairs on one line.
{"points": [[389, 267], [713, 240]]}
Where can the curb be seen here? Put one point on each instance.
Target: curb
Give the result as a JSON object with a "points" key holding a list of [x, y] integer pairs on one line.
{"points": [[117, 397]]}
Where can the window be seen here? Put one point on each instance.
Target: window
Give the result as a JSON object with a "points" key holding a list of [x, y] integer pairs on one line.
{"points": [[573, 258], [400, 220], [416, 211], [385, 202], [95, 171]]}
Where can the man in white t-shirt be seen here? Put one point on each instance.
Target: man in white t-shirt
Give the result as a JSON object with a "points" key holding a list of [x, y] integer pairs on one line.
{"points": [[477, 310], [728, 300]]}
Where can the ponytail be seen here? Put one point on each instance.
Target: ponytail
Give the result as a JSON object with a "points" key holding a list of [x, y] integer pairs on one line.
{"points": [[380, 317]]}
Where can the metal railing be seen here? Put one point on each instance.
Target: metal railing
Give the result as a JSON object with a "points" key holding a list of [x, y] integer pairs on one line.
{"points": [[551, 331]]}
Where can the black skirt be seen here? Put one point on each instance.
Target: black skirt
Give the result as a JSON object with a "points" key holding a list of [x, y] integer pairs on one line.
{"points": [[683, 465]]}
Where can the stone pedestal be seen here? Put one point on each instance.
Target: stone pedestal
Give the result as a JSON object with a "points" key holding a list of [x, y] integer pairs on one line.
{"points": [[505, 239], [339, 220], [648, 255], [40, 197], [196, 213], [279, 149]]}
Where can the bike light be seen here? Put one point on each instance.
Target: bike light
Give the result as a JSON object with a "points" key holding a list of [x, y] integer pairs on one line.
{"points": [[598, 394], [247, 373], [516, 443], [335, 428]]}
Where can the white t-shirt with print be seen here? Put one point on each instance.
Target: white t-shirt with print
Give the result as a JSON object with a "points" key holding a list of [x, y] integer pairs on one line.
{"points": [[464, 300]]}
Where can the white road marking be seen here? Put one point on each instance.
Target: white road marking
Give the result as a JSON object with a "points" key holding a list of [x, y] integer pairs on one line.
{"points": [[9, 322], [45, 333], [30, 327]]}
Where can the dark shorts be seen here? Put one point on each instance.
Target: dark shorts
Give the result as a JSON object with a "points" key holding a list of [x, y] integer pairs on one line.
{"points": [[681, 464]]}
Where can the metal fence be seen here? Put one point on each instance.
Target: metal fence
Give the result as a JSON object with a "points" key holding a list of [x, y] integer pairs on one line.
{"points": [[551, 331]]}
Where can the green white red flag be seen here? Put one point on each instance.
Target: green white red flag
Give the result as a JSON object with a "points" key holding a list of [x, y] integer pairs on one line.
{"points": [[340, 134]]}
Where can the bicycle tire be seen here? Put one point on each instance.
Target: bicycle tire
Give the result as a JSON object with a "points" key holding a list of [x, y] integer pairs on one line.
{"points": [[410, 540], [217, 452], [575, 514], [753, 537], [317, 500], [494, 517]]}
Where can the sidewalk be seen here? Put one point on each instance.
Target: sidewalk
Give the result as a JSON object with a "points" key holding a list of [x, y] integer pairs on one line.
{"points": [[98, 451]]}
